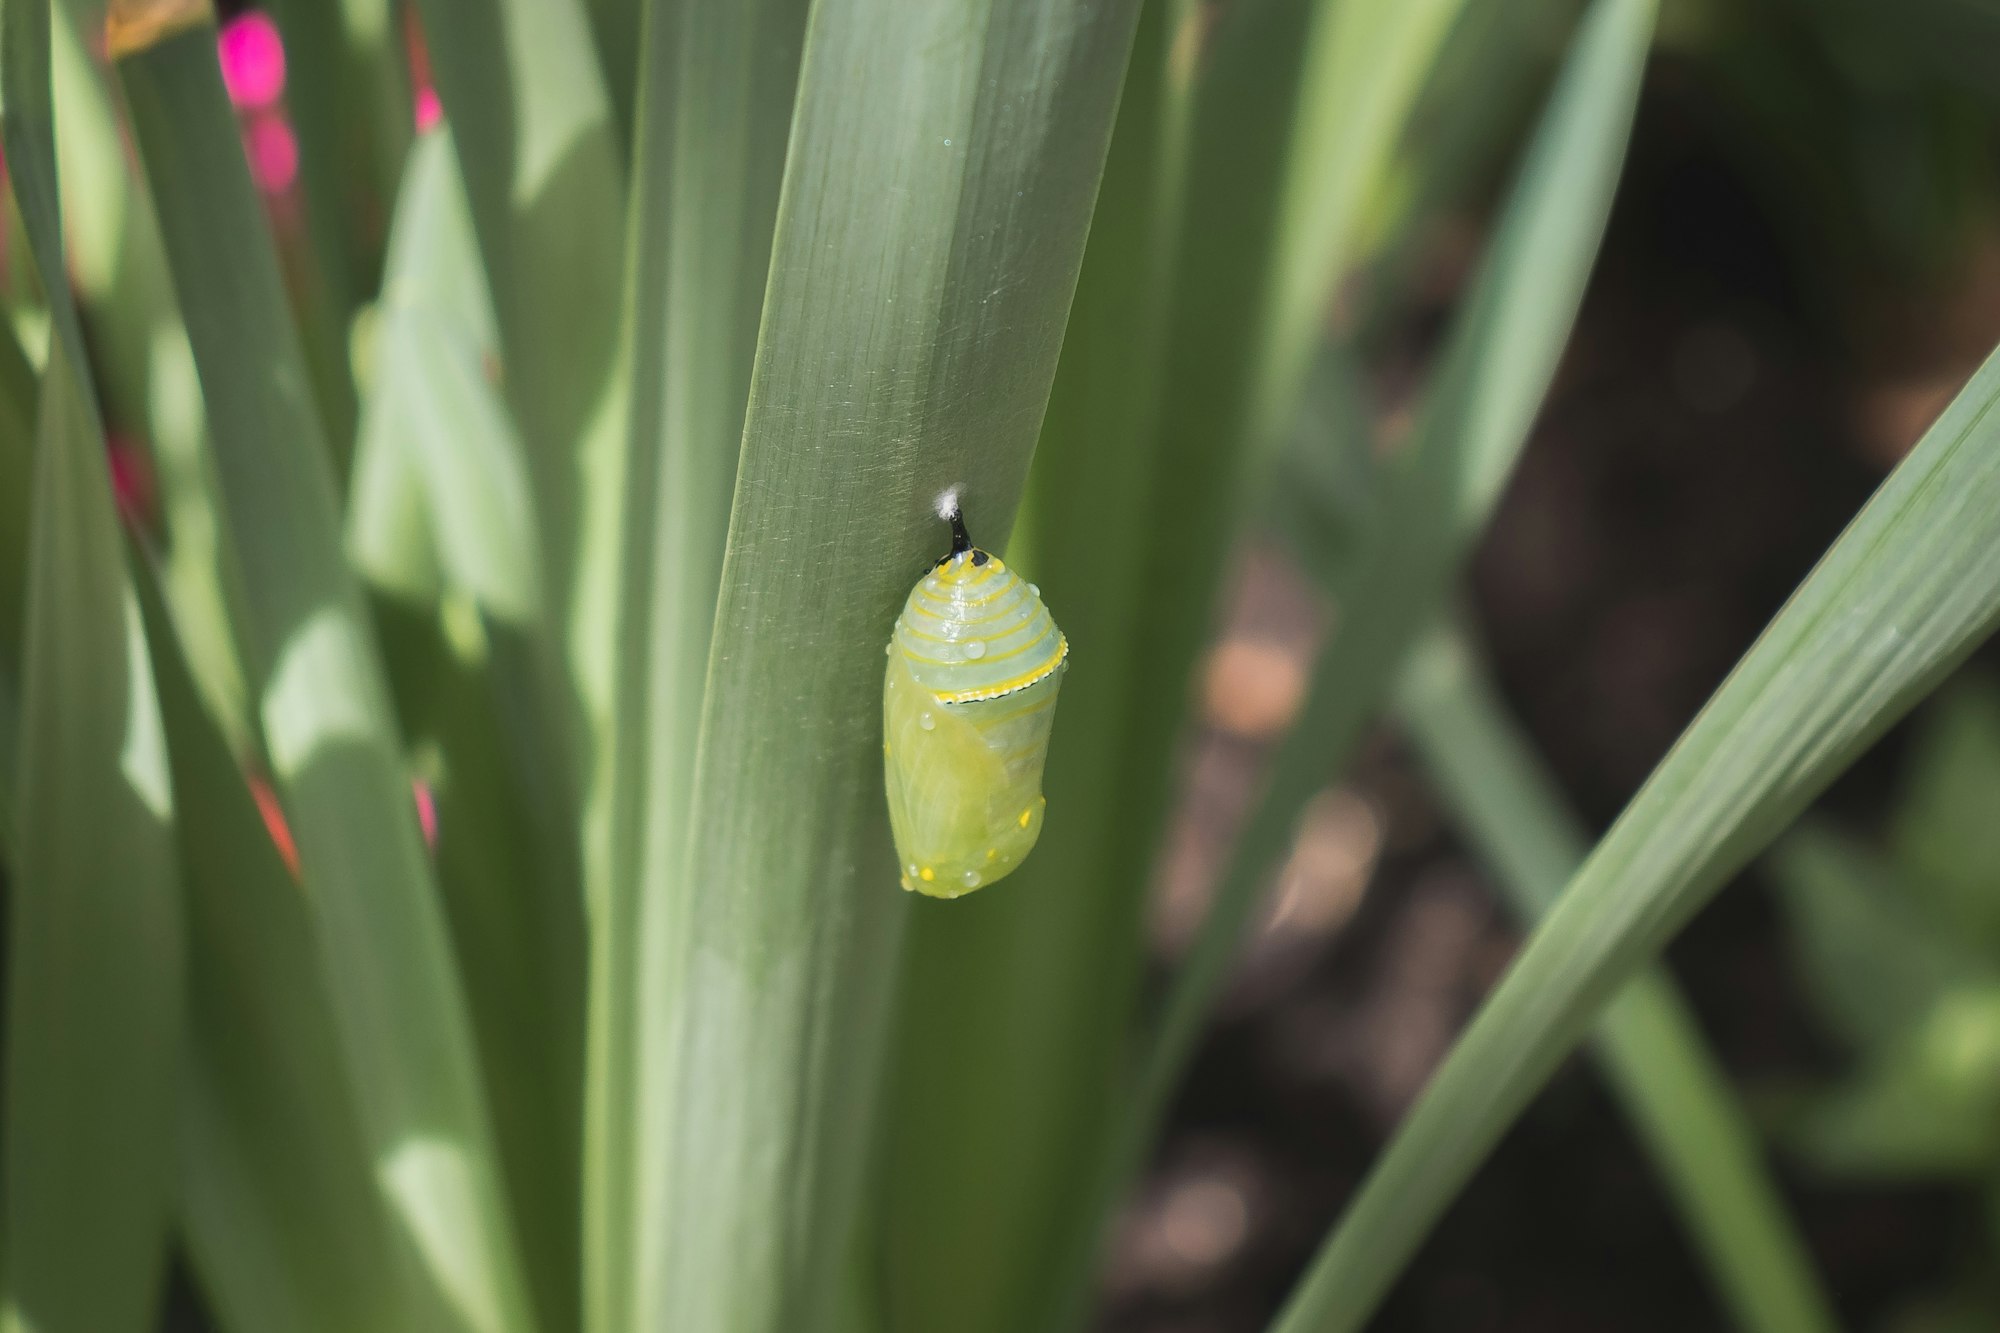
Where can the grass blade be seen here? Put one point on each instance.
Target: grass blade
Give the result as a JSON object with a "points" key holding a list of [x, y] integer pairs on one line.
{"points": [[475, 695], [933, 220], [1436, 494], [94, 933], [717, 83], [1679, 1100], [1365, 63], [539, 156], [314, 669], [1907, 591], [997, 1107]]}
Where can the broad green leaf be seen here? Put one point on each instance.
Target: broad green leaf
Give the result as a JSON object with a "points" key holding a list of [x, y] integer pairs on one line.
{"points": [[1900, 599], [18, 393], [316, 675], [139, 348], [1677, 1097], [282, 1221], [387, 528], [429, 398], [525, 96], [94, 931], [474, 684], [347, 93], [943, 165], [348, 103], [506, 863], [620, 34], [997, 1106], [717, 81], [1434, 496]]}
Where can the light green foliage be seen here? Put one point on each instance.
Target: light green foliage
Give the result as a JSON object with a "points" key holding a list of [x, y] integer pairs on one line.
{"points": [[94, 966], [1896, 950], [1678, 1097], [314, 670], [1898, 601]]}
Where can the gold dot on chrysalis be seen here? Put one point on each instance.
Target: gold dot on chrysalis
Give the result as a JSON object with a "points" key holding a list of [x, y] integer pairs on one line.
{"points": [[926, 875]]}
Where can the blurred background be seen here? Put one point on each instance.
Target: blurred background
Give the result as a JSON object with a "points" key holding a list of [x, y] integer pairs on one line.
{"points": [[1802, 268]]}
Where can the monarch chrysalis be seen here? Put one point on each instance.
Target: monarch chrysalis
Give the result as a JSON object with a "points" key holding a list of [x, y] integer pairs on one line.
{"points": [[974, 665]]}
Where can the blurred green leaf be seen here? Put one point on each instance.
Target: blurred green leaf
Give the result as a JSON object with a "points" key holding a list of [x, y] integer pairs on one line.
{"points": [[18, 393], [387, 528], [1925, 1104], [139, 348], [943, 166], [282, 1220], [1365, 63], [531, 122], [717, 82], [474, 677], [617, 26], [429, 397], [314, 668], [347, 92], [1678, 1099], [1908, 590], [348, 103], [1437, 491], [1873, 962], [94, 931], [1944, 833]]}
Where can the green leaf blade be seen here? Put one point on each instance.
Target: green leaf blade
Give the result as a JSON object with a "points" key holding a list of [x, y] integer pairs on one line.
{"points": [[933, 219], [95, 936], [1677, 1097], [313, 666], [94, 932], [1434, 496], [717, 85], [1901, 598]]}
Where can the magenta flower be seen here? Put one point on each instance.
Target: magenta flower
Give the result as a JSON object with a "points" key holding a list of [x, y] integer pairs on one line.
{"points": [[274, 153], [253, 60]]}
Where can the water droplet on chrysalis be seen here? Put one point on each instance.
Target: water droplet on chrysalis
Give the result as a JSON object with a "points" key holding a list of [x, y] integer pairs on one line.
{"points": [[971, 878], [926, 721], [975, 650]]}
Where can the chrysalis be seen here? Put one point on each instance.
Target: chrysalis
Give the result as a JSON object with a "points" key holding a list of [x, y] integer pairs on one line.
{"points": [[974, 665]]}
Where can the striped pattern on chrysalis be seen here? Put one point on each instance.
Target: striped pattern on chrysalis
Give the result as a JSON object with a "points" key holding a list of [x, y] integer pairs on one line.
{"points": [[967, 702]]}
